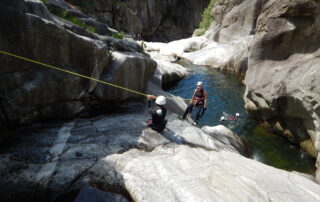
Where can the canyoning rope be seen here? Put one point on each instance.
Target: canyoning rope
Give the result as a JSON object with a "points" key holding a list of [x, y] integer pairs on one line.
{"points": [[77, 74]]}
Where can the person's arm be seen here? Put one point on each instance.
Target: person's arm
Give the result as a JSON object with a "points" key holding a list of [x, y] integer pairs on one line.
{"points": [[150, 97], [205, 99], [194, 93], [192, 99]]}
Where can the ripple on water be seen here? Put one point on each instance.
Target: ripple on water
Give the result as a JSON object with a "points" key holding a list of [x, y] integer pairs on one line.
{"points": [[225, 94]]}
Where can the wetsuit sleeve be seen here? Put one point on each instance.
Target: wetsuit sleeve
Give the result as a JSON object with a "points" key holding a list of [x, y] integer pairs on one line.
{"points": [[151, 111]]}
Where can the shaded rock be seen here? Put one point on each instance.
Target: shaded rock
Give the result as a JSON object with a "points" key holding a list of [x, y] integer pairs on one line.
{"points": [[15, 4], [100, 28], [37, 7], [30, 92], [155, 20], [123, 68], [125, 45], [94, 195]]}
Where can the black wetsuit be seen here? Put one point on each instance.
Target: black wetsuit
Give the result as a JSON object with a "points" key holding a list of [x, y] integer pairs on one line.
{"points": [[158, 116], [198, 102]]}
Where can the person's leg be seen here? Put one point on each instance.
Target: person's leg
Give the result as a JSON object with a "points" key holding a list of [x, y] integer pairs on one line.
{"points": [[199, 111], [189, 109], [202, 112]]}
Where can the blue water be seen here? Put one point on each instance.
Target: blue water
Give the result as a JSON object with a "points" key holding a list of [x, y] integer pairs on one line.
{"points": [[225, 96]]}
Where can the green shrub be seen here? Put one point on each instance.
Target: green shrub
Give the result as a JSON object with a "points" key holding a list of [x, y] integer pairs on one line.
{"points": [[65, 15], [207, 19], [45, 2], [118, 35], [91, 29]]}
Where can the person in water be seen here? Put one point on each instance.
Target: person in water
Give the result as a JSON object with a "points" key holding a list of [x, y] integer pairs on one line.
{"points": [[199, 100], [158, 114], [229, 117]]}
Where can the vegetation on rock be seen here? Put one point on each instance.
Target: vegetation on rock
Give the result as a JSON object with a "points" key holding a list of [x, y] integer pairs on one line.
{"points": [[207, 19], [65, 15], [118, 35]]}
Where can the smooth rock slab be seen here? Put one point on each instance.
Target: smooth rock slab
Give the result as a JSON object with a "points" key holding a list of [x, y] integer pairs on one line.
{"points": [[181, 173]]}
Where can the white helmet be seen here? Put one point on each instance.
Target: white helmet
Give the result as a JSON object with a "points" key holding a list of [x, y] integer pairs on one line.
{"points": [[237, 115], [161, 100], [199, 83]]}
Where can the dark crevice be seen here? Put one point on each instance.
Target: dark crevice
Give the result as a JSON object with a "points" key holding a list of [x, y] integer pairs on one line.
{"points": [[81, 174], [4, 115]]}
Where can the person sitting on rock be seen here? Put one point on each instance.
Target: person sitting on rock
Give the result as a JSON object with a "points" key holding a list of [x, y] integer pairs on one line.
{"points": [[199, 100], [158, 114]]}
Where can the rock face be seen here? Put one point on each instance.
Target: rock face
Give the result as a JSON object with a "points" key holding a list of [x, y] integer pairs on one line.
{"points": [[283, 75], [181, 163], [155, 20], [30, 92], [273, 44], [191, 174], [51, 159], [124, 67], [225, 45]]}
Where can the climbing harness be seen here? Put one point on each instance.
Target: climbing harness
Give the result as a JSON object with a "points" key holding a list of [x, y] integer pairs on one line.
{"points": [[77, 74]]}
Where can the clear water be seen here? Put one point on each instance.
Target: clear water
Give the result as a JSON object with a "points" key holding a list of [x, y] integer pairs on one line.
{"points": [[225, 95]]}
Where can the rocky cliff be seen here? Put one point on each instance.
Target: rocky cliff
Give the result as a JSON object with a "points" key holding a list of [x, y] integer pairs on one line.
{"points": [[31, 92], [284, 70], [281, 62], [155, 20]]}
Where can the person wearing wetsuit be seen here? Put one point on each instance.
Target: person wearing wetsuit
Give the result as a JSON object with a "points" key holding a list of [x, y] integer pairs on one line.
{"points": [[158, 114], [199, 100]]}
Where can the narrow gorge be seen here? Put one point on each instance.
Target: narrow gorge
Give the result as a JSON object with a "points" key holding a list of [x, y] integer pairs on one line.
{"points": [[64, 137]]}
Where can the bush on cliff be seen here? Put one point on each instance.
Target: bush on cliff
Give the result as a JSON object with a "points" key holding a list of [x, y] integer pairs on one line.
{"points": [[207, 19]]}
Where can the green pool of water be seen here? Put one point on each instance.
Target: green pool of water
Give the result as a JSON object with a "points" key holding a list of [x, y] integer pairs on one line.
{"points": [[225, 95]]}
